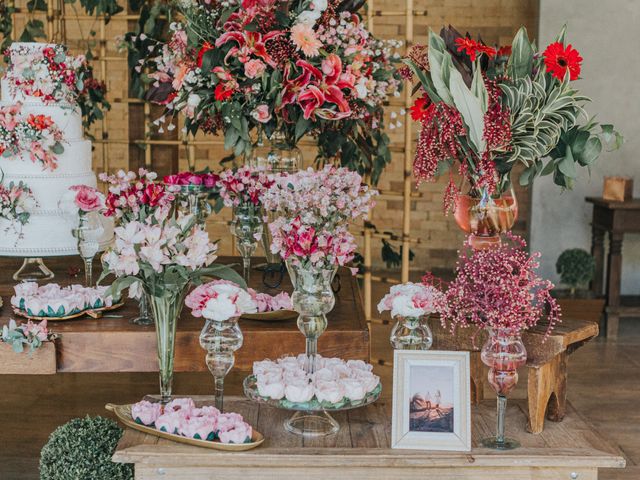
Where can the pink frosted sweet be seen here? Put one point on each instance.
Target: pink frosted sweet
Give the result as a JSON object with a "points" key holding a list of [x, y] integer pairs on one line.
{"points": [[146, 412], [185, 405], [274, 390], [197, 427], [299, 392], [228, 421], [354, 389], [238, 434], [206, 411], [331, 391], [359, 365], [171, 422]]}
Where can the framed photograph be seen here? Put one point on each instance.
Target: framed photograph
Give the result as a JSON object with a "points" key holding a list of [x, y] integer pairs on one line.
{"points": [[431, 400]]}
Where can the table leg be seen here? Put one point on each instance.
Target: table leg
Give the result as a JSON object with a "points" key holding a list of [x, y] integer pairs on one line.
{"points": [[614, 276], [597, 250]]}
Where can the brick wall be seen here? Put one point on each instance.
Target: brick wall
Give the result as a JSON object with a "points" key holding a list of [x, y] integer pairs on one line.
{"points": [[495, 20]]}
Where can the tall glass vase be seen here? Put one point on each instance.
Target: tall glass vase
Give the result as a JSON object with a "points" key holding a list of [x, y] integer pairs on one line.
{"points": [[221, 339], [194, 200], [145, 316], [503, 353], [166, 306], [411, 333], [485, 216], [277, 154], [247, 228], [88, 233]]}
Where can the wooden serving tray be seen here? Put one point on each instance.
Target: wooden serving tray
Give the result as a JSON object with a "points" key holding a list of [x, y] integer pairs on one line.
{"points": [[273, 316], [92, 312], [123, 412]]}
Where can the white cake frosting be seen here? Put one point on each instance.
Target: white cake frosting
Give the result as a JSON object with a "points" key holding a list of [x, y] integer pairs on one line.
{"points": [[48, 231]]}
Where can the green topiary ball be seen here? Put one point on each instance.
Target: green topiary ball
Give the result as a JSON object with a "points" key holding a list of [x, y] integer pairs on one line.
{"points": [[575, 267], [81, 450]]}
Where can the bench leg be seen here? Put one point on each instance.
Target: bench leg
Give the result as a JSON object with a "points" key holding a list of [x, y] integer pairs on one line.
{"points": [[547, 387], [477, 378]]}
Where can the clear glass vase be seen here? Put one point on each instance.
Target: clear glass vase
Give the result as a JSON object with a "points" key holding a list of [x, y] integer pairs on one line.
{"points": [[503, 353], [247, 228], [88, 233], [411, 333], [276, 155], [220, 339], [145, 316], [166, 305], [312, 298], [193, 200], [485, 216]]}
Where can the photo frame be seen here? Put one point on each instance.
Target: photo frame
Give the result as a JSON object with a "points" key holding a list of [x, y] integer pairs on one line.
{"points": [[431, 400]]}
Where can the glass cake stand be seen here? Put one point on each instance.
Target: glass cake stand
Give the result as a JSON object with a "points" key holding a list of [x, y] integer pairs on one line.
{"points": [[311, 418]]}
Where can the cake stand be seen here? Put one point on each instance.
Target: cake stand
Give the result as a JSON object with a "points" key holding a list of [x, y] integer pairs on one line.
{"points": [[313, 418]]}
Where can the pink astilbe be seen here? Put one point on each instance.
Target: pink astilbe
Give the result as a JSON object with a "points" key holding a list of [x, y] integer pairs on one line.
{"points": [[499, 288]]}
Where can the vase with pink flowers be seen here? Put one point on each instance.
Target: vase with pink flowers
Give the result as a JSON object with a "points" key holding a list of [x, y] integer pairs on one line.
{"points": [[89, 229], [410, 305], [498, 289], [192, 191], [221, 303]]}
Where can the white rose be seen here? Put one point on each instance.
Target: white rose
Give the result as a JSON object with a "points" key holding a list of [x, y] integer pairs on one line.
{"points": [[404, 307], [193, 100], [219, 309], [331, 392], [361, 88], [353, 389], [309, 17], [299, 392]]}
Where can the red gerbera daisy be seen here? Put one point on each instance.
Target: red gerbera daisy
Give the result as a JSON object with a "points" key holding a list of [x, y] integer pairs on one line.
{"points": [[559, 59], [504, 51], [419, 108], [473, 48]]}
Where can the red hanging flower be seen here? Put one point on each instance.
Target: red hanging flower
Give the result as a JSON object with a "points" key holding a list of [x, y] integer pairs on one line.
{"points": [[473, 48], [559, 59], [205, 48], [504, 51], [222, 93], [419, 108]]}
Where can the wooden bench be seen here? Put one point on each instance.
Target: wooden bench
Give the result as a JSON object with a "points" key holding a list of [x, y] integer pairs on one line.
{"points": [[546, 359], [361, 450]]}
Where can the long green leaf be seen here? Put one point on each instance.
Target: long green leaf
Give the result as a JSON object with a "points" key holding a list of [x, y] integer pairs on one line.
{"points": [[437, 57], [470, 108], [479, 89], [521, 60], [425, 81]]}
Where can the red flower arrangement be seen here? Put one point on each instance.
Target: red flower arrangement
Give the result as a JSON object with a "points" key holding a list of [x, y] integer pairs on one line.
{"points": [[499, 288], [560, 59]]}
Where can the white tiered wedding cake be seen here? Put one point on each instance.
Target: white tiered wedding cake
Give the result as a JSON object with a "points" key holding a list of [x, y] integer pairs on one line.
{"points": [[42, 146]]}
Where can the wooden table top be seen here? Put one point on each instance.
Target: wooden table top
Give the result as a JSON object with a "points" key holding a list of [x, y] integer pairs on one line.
{"points": [[115, 345], [633, 204], [364, 439]]}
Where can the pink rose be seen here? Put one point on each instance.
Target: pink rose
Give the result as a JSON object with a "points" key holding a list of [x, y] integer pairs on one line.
{"points": [[87, 198], [239, 434], [254, 68], [261, 113], [146, 412]]}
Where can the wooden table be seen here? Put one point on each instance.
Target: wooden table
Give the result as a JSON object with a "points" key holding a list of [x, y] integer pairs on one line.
{"points": [[115, 345], [361, 450], [547, 358], [616, 218]]}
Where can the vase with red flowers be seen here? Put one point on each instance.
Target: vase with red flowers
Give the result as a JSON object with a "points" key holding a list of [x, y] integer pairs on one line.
{"points": [[485, 110], [499, 290]]}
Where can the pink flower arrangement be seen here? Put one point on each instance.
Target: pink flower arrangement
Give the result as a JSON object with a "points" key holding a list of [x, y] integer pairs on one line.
{"points": [[28, 334], [220, 300], [135, 197], [207, 180], [36, 135], [498, 288], [334, 382], [413, 300], [182, 417], [268, 303], [244, 186], [87, 198], [313, 209]]}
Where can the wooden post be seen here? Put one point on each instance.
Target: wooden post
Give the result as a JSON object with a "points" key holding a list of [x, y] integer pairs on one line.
{"points": [[408, 141]]}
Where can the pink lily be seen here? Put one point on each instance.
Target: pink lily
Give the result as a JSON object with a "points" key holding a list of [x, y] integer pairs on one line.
{"points": [[248, 43]]}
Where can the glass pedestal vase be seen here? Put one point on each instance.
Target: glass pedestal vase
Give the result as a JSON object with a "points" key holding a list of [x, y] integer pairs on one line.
{"points": [[33, 270], [145, 316], [503, 353], [247, 228], [220, 339], [193, 200], [275, 155], [88, 233], [411, 333], [166, 306], [485, 217]]}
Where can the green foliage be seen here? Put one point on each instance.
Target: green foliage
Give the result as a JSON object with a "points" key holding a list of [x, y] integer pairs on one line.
{"points": [[575, 267], [81, 450]]}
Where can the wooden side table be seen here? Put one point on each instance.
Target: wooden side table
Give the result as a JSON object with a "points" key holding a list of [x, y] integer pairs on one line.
{"points": [[615, 218]]}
